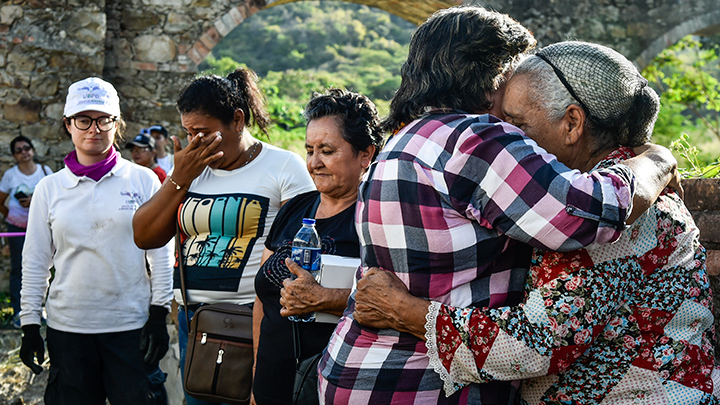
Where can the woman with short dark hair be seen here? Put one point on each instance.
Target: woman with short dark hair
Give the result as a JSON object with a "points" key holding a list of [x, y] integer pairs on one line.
{"points": [[342, 140]]}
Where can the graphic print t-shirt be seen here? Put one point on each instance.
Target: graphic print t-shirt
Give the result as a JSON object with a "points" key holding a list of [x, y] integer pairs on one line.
{"points": [[225, 218], [14, 181]]}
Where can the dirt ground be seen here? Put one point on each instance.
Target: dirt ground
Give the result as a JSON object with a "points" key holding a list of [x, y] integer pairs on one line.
{"points": [[18, 385]]}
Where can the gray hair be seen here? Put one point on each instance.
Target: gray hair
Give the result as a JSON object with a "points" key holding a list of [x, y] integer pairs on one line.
{"points": [[620, 107]]}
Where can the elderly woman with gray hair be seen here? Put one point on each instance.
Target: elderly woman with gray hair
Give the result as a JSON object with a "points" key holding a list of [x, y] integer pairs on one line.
{"points": [[628, 322]]}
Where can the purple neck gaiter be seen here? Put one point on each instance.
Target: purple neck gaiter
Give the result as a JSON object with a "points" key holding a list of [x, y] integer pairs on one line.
{"points": [[95, 171]]}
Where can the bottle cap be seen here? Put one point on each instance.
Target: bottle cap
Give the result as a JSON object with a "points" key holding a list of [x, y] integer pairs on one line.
{"points": [[308, 221]]}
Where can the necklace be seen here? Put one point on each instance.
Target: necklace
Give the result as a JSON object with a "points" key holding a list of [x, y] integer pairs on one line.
{"points": [[252, 152]]}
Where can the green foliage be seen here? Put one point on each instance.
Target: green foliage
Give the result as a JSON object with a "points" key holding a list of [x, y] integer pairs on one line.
{"points": [[306, 47], [685, 76], [690, 153]]}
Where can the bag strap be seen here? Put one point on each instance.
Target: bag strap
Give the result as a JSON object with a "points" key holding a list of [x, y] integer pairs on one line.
{"points": [[181, 270], [296, 343]]}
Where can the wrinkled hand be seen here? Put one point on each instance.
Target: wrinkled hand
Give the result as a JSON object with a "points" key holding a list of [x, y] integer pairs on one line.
{"points": [[377, 297], [676, 184], [154, 338], [301, 295], [190, 161], [32, 346], [25, 202]]}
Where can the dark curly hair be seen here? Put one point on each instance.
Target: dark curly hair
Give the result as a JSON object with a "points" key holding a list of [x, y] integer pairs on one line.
{"points": [[220, 97], [358, 115], [455, 58]]}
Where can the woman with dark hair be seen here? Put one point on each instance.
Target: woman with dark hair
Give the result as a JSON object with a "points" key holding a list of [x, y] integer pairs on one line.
{"points": [[342, 139], [449, 200], [106, 311], [18, 183], [224, 193], [627, 322]]}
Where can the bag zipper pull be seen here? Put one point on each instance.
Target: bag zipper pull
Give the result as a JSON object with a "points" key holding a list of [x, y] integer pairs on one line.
{"points": [[203, 340], [220, 354]]}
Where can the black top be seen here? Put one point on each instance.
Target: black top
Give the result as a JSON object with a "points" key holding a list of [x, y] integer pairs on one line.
{"points": [[275, 369]]}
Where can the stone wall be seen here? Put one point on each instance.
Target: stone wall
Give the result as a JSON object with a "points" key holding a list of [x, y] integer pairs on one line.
{"points": [[149, 48], [44, 47]]}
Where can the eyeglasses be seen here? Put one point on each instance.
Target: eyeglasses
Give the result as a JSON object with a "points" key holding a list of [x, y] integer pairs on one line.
{"points": [[83, 122], [22, 149]]}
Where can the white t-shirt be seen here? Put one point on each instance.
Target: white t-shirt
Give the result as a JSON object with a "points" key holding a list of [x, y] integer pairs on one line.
{"points": [[166, 163], [14, 181], [84, 229], [227, 215]]}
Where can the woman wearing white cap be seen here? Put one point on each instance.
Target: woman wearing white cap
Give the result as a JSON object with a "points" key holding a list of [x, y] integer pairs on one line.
{"points": [[105, 313]]}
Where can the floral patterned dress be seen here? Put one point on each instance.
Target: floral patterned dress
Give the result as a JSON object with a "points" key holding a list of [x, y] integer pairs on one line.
{"points": [[627, 322]]}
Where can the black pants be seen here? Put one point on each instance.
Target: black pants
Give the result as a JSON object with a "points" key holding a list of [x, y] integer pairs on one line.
{"points": [[88, 368]]}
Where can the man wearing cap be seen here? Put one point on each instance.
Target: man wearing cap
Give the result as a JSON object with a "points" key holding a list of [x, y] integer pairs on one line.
{"points": [[144, 154], [160, 134]]}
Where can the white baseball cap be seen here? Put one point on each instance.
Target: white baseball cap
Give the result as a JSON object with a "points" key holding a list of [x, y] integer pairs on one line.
{"points": [[92, 94]]}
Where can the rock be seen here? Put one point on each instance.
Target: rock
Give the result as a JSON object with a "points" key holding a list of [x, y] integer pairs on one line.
{"points": [[177, 22], [20, 61], [8, 14], [25, 110], [44, 86], [151, 48], [139, 20], [39, 133]]}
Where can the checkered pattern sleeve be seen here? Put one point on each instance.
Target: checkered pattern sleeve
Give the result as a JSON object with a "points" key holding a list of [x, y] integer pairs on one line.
{"points": [[506, 181]]}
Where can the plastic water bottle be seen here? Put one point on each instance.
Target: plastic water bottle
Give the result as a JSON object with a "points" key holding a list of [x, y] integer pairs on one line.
{"points": [[306, 252]]}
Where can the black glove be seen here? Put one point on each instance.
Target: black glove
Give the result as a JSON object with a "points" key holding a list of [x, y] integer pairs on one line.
{"points": [[154, 338], [32, 346]]}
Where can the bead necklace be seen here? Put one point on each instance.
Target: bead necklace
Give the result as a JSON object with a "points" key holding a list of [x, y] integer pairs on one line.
{"points": [[252, 152]]}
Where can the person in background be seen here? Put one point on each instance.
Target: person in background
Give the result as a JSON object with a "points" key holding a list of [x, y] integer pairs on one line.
{"points": [[162, 142], [453, 201], [18, 183], [342, 139], [628, 322], [144, 153], [106, 313], [223, 194]]}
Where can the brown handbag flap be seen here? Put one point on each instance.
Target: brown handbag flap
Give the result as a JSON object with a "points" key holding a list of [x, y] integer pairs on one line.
{"points": [[231, 320]]}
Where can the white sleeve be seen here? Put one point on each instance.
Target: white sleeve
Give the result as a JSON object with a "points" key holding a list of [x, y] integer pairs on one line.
{"points": [[295, 177], [161, 265], [37, 257], [5, 183]]}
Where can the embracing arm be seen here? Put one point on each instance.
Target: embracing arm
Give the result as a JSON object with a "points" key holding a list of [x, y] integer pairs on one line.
{"points": [[530, 196], [655, 168], [154, 222], [558, 322]]}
